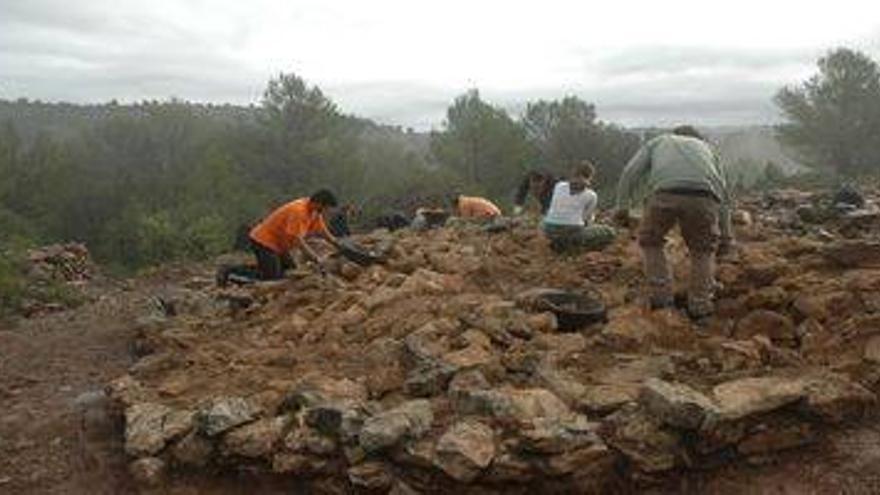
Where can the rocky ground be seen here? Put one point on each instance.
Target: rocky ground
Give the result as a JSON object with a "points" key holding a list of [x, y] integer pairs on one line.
{"points": [[438, 371]]}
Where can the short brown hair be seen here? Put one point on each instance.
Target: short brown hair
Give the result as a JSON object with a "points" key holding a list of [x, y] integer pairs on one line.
{"points": [[585, 169]]}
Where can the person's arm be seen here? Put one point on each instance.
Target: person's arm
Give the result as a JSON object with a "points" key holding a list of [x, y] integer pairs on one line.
{"points": [[590, 207], [726, 210], [631, 178], [329, 237], [310, 253], [522, 193]]}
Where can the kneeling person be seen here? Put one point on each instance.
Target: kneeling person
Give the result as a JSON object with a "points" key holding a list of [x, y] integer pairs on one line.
{"points": [[285, 229], [569, 219]]}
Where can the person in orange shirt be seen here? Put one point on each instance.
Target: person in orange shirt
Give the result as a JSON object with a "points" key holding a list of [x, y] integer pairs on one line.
{"points": [[475, 207], [283, 230]]}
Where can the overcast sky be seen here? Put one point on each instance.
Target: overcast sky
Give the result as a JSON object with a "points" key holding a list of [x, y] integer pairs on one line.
{"points": [[403, 61]]}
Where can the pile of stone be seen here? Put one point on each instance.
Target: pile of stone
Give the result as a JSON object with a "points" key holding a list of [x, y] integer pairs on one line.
{"points": [[433, 373], [68, 262]]}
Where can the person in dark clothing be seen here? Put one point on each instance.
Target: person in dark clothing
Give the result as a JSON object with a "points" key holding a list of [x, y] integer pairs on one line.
{"points": [[338, 223], [392, 221], [537, 184]]}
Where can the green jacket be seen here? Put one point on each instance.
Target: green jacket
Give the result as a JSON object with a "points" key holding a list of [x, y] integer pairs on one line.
{"points": [[675, 162]]}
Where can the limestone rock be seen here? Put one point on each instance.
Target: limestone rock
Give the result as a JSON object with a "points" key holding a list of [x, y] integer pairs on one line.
{"points": [[773, 439], [371, 476], [560, 383], [297, 464], [834, 398], [472, 356], [148, 471], [466, 381], [557, 435], [510, 467], [409, 420], [640, 438], [193, 450], [595, 461], [676, 404], [257, 439], [872, 350], [747, 396], [150, 426], [604, 399], [224, 413], [429, 380], [465, 450], [340, 419], [308, 441], [776, 326], [515, 404]]}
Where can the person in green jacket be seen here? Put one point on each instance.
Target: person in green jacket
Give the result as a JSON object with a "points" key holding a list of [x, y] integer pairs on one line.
{"points": [[678, 179]]}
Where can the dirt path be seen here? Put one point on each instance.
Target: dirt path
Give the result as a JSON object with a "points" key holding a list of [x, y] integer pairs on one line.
{"points": [[46, 364]]}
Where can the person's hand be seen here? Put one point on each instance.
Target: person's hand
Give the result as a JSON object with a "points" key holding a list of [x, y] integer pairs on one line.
{"points": [[321, 264]]}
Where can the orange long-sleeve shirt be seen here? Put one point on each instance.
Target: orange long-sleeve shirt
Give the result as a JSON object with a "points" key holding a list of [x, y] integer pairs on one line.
{"points": [[280, 230], [474, 207]]}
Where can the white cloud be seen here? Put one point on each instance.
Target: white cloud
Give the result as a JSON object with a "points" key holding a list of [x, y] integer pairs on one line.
{"points": [[403, 61]]}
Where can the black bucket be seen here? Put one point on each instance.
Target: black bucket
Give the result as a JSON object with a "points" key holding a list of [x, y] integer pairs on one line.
{"points": [[358, 254], [573, 310]]}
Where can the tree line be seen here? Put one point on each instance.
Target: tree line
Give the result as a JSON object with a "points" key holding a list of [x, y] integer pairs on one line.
{"points": [[156, 181]]}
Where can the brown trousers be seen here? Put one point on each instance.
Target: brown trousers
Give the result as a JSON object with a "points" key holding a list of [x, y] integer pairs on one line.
{"points": [[697, 217]]}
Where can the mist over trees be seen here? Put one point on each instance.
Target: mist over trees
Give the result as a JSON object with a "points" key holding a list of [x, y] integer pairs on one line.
{"points": [[157, 181], [833, 118]]}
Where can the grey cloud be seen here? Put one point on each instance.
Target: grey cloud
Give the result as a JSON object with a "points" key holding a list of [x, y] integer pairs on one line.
{"points": [[100, 50], [641, 61]]}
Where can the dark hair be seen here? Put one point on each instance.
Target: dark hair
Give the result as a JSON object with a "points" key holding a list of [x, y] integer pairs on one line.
{"points": [[324, 198], [585, 169], [689, 131]]}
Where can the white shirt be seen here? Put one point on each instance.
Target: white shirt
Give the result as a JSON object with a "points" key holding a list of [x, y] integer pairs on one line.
{"points": [[571, 209]]}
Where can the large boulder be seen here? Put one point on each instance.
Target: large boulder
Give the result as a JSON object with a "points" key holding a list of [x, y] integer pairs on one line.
{"points": [[150, 426], [834, 398], [512, 404], [603, 399], [465, 450], [642, 440], [257, 439], [224, 413], [408, 421], [676, 404], [748, 396], [547, 436]]}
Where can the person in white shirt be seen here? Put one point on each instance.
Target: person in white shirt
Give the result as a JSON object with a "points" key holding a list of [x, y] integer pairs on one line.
{"points": [[568, 222]]}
